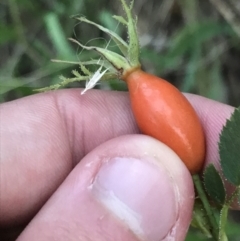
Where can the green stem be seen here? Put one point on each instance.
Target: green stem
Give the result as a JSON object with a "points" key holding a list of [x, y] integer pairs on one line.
{"points": [[224, 214], [223, 222], [206, 205]]}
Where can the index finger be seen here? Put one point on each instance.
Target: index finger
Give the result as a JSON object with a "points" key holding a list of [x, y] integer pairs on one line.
{"points": [[45, 136], [213, 116]]}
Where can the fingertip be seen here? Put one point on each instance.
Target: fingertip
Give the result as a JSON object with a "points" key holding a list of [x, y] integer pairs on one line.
{"points": [[213, 116], [129, 188]]}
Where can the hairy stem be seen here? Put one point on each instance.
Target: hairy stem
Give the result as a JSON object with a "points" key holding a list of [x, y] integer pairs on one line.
{"points": [[202, 195]]}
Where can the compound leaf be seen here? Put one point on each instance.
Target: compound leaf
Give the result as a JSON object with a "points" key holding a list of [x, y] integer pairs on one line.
{"points": [[229, 148], [214, 184]]}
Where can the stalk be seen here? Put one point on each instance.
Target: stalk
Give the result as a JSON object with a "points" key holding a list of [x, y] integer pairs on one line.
{"points": [[206, 205]]}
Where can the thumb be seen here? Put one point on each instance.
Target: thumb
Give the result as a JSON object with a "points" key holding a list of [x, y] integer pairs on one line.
{"points": [[129, 188]]}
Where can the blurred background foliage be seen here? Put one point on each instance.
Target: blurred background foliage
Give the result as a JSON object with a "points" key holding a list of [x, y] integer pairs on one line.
{"points": [[187, 42], [194, 44]]}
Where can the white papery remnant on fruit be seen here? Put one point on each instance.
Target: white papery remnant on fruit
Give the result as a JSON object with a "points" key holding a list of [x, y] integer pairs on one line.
{"points": [[94, 79]]}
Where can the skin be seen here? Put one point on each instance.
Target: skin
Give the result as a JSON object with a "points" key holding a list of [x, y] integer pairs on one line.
{"points": [[50, 139], [156, 102]]}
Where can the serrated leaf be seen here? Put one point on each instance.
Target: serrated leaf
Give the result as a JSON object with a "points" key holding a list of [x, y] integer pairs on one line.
{"points": [[229, 146], [214, 184]]}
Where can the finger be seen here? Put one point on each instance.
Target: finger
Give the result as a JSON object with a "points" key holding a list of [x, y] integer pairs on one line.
{"points": [[213, 116], [45, 136], [129, 188]]}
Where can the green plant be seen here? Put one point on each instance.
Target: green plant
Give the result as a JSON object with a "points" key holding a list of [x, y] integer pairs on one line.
{"points": [[150, 93]]}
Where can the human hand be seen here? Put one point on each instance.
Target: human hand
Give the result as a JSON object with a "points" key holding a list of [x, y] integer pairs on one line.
{"points": [[124, 188]]}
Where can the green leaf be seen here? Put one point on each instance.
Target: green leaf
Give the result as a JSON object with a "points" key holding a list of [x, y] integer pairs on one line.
{"points": [[134, 48], [214, 184], [191, 69], [229, 146], [216, 89], [232, 229], [57, 35], [197, 33], [7, 33]]}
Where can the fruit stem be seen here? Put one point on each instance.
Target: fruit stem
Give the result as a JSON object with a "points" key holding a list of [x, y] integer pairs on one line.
{"points": [[202, 195]]}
